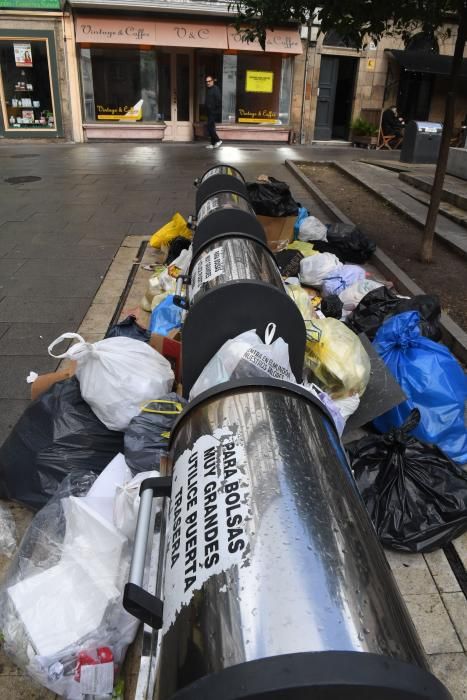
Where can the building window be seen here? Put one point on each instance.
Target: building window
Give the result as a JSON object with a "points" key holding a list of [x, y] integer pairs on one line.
{"points": [[256, 88], [25, 88], [123, 84], [333, 38]]}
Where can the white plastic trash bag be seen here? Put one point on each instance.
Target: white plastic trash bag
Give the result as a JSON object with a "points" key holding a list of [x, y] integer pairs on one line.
{"points": [[61, 611], [339, 280], [312, 229], [315, 268], [117, 376], [246, 356], [354, 293]]}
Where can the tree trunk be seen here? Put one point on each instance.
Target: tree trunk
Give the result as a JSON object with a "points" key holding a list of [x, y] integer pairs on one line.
{"points": [[426, 252]]}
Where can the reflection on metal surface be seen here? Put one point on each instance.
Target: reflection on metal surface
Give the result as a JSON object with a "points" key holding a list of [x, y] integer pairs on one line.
{"points": [[222, 201], [242, 259], [313, 576]]}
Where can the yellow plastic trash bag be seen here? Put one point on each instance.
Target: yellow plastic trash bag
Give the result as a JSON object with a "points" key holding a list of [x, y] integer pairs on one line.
{"points": [[177, 226], [305, 248], [336, 357], [302, 300]]}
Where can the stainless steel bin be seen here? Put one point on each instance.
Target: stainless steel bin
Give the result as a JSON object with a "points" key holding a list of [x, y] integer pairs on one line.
{"points": [[274, 583], [421, 142], [225, 212], [217, 179]]}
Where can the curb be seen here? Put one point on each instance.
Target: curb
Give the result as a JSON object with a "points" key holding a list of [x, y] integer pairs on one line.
{"points": [[459, 248], [453, 335]]}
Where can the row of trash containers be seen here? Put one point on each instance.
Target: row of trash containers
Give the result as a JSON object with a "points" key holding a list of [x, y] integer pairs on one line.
{"points": [[271, 583]]}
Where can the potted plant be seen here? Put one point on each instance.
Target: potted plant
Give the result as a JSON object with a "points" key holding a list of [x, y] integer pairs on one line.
{"points": [[363, 133]]}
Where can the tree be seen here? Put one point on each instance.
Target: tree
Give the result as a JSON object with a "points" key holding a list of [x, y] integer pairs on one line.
{"points": [[358, 21]]}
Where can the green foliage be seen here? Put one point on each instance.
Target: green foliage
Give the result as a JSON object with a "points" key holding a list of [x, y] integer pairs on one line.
{"points": [[360, 127], [356, 20]]}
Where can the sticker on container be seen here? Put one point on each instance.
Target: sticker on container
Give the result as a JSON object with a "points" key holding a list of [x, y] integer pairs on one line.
{"points": [[206, 269], [209, 515], [267, 364], [97, 679]]}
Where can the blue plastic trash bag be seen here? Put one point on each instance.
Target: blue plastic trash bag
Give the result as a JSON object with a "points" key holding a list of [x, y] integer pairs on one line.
{"points": [[165, 317], [302, 214], [432, 380]]}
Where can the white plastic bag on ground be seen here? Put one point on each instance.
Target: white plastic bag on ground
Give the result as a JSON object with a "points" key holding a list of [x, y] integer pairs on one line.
{"points": [[246, 356], [353, 294], [126, 504], [344, 277], [331, 405], [312, 229], [315, 269], [7, 531], [61, 602], [347, 405], [117, 376]]}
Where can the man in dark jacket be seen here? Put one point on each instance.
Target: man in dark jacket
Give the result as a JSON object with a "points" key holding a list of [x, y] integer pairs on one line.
{"points": [[392, 124], [214, 110]]}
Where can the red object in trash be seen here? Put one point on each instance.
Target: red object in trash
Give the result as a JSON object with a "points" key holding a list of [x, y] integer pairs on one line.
{"points": [[103, 655]]}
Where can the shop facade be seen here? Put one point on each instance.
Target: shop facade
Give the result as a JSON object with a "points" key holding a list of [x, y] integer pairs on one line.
{"points": [[144, 78], [34, 96]]}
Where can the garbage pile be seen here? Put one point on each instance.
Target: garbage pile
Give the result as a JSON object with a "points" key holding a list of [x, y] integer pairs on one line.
{"points": [[255, 289]]}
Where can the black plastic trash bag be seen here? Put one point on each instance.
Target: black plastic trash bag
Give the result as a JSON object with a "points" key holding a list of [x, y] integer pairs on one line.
{"points": [[147, 437], [348, 243], [371, 311], [332, 306], [175, 248], [129, 328], [57, 432], [415, 495], [429, 308], [272, 198], [379, 304], [288, 262]]}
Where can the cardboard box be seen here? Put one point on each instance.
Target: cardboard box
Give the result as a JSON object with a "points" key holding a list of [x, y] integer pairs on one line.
{"points": [[279, 231], [170, 347]]}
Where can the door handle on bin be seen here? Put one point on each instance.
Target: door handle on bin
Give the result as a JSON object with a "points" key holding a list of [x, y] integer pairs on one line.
{"points": [[138, 602], [179, 300]]}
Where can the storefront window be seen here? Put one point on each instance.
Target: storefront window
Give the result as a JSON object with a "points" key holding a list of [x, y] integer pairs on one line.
{"points": [[122, 84], [256, 88], [25, 89]]}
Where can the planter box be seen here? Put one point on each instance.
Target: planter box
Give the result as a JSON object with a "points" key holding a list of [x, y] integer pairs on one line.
{"points": [[365, 141]]}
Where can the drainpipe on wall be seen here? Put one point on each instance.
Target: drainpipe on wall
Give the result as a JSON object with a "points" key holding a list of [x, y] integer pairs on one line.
{"points": [[305, 75]]}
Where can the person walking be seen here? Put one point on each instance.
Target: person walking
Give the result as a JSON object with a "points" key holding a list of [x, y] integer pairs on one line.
{"points": [[214, 110]]}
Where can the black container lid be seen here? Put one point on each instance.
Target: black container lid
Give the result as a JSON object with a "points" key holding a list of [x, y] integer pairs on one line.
{"points": [[325, 675]]}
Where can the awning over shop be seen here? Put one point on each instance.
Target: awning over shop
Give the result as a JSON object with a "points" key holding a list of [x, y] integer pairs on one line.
{"points": [[420, 62], [124, 30]]}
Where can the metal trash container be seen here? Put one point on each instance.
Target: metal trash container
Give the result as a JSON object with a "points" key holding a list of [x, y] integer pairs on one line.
{"points": [[217, 179], [421, 142], [274, 583], [225, 212], [234, 285]]}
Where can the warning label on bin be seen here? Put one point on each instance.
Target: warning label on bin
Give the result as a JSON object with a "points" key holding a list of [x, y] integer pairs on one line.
{"points": [[207, 268], [209, 513]]}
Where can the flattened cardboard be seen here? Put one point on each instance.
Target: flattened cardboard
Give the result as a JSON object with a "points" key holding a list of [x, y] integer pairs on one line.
{"points": [[279, 230], [382, 393]]}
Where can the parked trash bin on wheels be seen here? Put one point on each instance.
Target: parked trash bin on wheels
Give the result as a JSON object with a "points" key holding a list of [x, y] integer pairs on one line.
{"points": [[421, 142], [274, 583]]}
